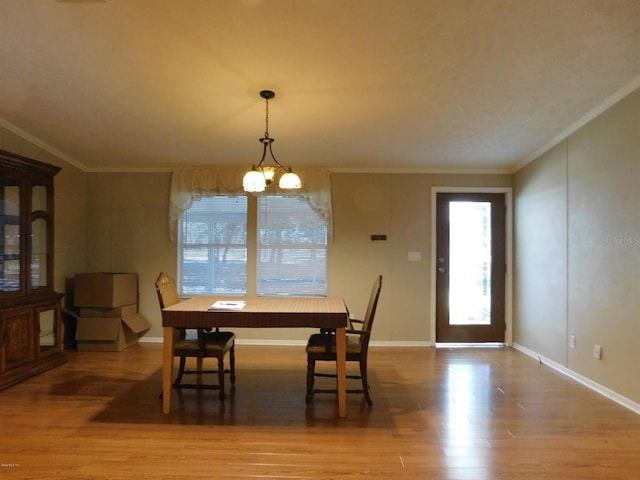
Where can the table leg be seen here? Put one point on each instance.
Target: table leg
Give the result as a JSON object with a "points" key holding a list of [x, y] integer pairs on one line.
{"points": [[341, 370], [167, 368]]}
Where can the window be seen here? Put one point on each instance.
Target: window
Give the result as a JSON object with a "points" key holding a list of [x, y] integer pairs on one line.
{"points": [[290, 248], [212, 247]]}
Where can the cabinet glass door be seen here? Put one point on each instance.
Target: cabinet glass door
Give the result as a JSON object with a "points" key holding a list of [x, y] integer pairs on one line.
{"points": [[39, 253], [39, 240], [10, 242]]}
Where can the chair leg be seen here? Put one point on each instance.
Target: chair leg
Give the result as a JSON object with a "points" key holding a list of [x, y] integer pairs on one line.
{"points": [[180, 372], [232, 364], [365, 383], [199, 365], [221, 376], [311, 367]]}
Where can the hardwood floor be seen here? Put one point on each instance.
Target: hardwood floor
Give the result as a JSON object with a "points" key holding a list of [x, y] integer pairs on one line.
{"points": [[480, 414]]}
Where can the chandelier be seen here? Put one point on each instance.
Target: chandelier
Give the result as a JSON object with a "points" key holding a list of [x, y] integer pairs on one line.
{"points": [[259, 177]]}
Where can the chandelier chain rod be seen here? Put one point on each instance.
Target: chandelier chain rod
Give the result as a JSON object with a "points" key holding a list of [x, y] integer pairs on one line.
{"points": [[266, 119]]}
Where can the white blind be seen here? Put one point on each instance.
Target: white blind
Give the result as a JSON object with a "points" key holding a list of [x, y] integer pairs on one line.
{"points": [[212, 247], [292, 248]]}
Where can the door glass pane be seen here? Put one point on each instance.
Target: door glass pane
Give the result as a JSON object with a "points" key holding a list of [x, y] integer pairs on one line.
{"points": [[470, 263]]}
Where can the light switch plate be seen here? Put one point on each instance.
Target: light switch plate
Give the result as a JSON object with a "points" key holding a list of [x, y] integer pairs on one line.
{"points": [[597, 351]]}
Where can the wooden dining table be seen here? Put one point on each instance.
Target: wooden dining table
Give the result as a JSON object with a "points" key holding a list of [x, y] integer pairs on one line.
{"points": [[257, 312]]}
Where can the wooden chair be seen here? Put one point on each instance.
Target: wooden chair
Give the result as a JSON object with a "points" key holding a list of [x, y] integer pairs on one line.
{"points": [[322, 347], [200, 345]]}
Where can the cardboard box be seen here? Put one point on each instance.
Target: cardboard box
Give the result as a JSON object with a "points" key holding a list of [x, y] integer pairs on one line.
{"points": [[118, 312], [105, 334], [105, 290]]}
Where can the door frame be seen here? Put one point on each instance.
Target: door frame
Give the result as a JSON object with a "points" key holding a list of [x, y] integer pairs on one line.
{"points": [[508, 301]]}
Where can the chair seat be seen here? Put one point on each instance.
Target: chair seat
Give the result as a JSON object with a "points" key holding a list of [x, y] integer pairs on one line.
{"points": [[317, 344], [215, 343]]}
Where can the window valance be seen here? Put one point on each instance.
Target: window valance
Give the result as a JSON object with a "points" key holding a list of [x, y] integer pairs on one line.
{"points": [[190, 185]]}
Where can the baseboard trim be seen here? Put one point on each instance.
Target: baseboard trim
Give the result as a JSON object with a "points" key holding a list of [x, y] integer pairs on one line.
{"points": [[298, 343], [596, 387]]}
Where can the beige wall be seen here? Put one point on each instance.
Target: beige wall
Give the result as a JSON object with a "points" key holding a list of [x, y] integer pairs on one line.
{"points": [[118, 222], [127, 231], [578, 250], [540, 256]]}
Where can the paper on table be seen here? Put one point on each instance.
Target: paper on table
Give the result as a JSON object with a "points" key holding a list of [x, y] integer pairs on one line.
{"points": [[227, 305]]}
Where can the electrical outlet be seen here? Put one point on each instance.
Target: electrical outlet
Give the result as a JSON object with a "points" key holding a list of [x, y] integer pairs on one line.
{"points": [[572, 341], [597, 351]]}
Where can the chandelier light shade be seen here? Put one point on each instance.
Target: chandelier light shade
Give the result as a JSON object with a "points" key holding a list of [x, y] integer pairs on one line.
{"points": [[290, 180], [254, 181], [259, 177]]}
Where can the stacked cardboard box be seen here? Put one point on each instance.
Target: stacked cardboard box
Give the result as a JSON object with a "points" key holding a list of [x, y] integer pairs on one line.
{"points": [[108, 317]]}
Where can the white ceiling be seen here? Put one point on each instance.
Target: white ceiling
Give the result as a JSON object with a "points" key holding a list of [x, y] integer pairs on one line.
{"points": [[362, 85]]}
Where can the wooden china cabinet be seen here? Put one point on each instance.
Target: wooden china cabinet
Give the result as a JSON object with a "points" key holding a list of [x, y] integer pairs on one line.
{"points": [[30, 311]]}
